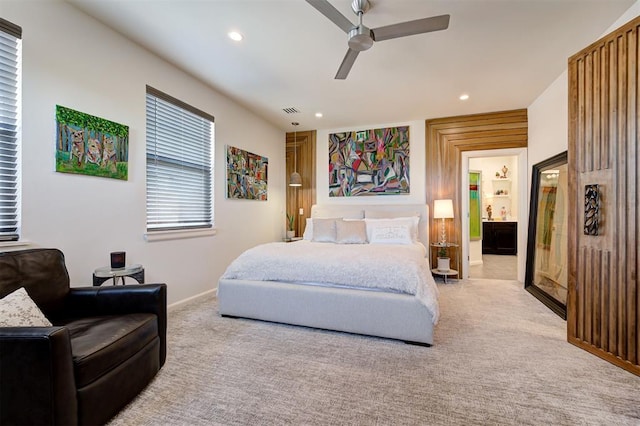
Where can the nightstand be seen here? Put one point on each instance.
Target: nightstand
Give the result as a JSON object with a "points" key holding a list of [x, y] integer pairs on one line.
{"points": [[454, 260], [291, 240]]}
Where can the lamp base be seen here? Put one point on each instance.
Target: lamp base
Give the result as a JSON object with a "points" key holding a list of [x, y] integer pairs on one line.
{"points": [[443, 233]]}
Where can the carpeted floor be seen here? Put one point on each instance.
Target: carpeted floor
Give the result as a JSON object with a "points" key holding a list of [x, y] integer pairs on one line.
{"points": [[500, 358]]}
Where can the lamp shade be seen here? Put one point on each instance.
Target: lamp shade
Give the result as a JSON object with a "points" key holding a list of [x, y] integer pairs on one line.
{"points": [[295, 179], [443, 209]]}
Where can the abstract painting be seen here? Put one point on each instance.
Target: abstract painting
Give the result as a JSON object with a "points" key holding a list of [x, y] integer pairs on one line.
{"points": [[369, 162], [90, 145], [246, 174], [475, 205]]}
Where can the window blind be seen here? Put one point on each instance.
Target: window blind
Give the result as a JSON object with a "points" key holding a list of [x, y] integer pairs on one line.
{"points": [[179, 164], [10, 51]]}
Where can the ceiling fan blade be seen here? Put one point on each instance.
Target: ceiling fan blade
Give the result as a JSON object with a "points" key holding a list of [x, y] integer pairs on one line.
{"points": [[324, 7], [346, 64], [419, 26]]}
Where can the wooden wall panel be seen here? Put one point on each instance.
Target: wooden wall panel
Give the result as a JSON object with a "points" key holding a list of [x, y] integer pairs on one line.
{"points": [[447, 138], [305, 196], [604, 298]]}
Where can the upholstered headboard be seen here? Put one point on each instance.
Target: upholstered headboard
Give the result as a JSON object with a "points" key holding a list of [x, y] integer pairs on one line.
{"points": [[377, 211]]}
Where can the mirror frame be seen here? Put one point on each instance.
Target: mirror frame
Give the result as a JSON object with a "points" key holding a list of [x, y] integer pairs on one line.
{"points": [[529, 285]]}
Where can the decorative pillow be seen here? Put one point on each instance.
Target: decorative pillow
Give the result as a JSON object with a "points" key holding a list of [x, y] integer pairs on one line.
{"points": [[391, 234], [18, 310], [324, 230], [411, 222], [308, 230], [351, 232]]}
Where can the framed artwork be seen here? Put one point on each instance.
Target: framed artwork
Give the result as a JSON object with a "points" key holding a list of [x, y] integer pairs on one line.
{"points": [[90, 145], [475, 205], [546, 273], [246, 174], [369, 162]]}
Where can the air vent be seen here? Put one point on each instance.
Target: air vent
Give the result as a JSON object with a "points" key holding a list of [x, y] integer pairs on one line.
{"points": [[291, 110]]}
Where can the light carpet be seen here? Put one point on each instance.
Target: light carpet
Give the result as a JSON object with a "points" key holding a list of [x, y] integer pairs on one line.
{"points": [[500, 358]]}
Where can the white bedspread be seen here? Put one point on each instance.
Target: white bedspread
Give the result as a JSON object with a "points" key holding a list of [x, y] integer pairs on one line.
{"points": [[385, 267]]}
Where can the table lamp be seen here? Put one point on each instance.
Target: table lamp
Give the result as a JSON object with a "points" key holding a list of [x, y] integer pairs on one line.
{"points": [[443, 209]]}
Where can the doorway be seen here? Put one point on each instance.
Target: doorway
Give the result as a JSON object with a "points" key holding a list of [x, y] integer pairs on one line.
{"points": [[300, 156], [500, 212]]}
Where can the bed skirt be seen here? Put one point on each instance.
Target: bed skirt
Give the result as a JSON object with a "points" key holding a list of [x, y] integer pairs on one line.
{"points": [[374, 313]]}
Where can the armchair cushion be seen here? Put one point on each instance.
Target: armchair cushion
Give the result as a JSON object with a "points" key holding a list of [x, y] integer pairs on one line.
{"points": [[98, 344], [120, 300], [18, 310]]}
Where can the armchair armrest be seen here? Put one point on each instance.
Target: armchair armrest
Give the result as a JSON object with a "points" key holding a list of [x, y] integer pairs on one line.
{"points": [[126, 299], [37, 383]]}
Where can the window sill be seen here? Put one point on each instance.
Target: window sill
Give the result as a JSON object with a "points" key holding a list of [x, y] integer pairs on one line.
{"points": [[179, 234], [15, 244]]}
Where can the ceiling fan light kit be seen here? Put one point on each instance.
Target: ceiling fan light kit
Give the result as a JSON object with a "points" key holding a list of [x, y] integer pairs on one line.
{"points": [[362, 38]]}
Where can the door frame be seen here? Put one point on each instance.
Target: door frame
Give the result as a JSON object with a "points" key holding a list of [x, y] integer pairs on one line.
{"points": [[523, 198], [299, 200]]}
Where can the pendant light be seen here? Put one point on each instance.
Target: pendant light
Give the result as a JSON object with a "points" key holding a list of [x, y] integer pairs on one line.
{"points": [[295, 179]]}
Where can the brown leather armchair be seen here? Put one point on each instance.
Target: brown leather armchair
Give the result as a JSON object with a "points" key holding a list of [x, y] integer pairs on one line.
{"points": [[105, 346]]}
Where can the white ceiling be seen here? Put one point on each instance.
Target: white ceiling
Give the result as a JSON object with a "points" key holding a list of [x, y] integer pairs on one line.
{"points": [[503, 53]]}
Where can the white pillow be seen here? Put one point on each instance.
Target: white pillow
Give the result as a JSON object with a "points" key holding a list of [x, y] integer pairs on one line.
{"points": [[351, 232], [308, 230], [324, 230], [411, 222], [392, 234], [18, 310]]}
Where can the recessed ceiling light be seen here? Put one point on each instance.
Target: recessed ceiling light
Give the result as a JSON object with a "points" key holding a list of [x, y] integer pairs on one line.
{"points": [[318, 114], [234, 35], [464, 97]]}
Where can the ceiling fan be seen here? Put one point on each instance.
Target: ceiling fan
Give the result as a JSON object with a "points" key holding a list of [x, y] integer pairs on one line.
{"points": [[361, 38]]}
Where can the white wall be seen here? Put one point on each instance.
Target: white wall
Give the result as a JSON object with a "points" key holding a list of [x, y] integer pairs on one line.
{"points": [[549, 113], [417, 177], [72, 60]]}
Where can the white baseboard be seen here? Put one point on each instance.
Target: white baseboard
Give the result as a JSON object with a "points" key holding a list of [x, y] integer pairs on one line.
{"points": [[188, 299], [475, 262]]}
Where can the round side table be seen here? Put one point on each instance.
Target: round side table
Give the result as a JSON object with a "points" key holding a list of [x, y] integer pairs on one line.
{"points": [[100, 275]]}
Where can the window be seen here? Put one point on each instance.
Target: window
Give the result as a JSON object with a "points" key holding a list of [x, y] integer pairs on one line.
{"points": [[10, 59], [179, 164]]}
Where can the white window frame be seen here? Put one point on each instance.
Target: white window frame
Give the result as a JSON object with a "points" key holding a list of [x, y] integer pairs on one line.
{"points": [[11, 136], [179, 157]]}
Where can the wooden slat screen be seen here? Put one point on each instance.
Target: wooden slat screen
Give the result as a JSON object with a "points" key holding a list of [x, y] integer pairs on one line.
{"points": [[603, 315]]}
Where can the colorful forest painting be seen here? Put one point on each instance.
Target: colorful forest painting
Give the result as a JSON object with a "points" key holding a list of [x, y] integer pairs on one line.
{"points": [[369, 162], [246, 175], [90, 145]]}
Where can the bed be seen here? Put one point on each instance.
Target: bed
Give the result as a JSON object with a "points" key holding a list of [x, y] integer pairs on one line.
{"points": [[280, 282]]}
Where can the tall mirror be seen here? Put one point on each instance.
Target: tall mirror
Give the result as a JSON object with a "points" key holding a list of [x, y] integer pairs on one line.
{"points": [[546, 273]]}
